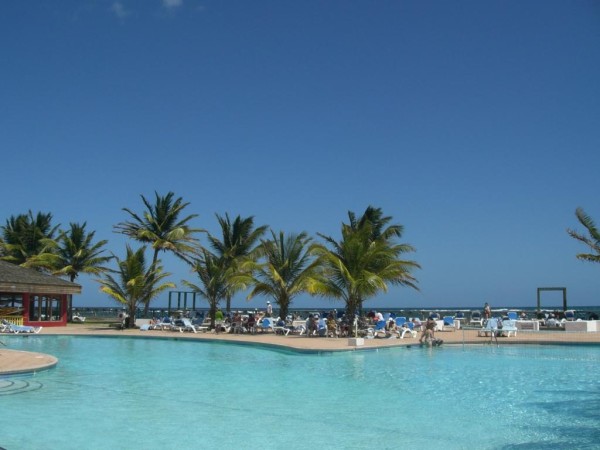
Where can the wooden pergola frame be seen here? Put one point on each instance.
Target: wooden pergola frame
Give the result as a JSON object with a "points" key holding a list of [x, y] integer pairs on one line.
{"points": [[543, 289]]}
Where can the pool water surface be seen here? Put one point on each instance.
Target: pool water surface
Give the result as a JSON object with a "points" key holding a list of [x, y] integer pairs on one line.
{"points": [[125, 393]]}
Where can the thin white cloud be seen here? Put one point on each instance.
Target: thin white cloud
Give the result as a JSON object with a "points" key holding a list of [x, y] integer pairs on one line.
{"points": [[119, 10], [169, 4]]}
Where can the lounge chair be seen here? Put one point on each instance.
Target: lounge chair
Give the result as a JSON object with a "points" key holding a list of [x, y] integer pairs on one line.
{"points": [[322, 327], [164, 324], [448, 324], [400, 321], [410, 329], [490, 328], [299, 329], [12, 328], [265, 325], [476, 318], [508, 327], [238, 327], [512, 315], [281, 328], [379, 330], [201, 323], [493, 328], [184, 324], [570, 315]]}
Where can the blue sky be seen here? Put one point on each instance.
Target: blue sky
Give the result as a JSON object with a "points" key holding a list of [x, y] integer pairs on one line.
{"points": [[473, 124]]}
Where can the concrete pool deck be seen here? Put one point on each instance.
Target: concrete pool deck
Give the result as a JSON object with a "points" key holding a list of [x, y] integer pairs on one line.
{"points": [[14, 362]]}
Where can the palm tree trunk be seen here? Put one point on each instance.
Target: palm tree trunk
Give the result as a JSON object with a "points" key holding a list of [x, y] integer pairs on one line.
{"points": [[352, 309], [70, 302], [147, 300], [212, 313]]}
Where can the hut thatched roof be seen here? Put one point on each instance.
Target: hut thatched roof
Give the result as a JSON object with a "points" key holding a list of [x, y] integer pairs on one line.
{"points": [[19, 279]]}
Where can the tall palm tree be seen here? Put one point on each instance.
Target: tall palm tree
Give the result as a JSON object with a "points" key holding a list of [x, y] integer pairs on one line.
{"points": [[25, 236], [376, 221], [214, 284], [288, 270], [238, 242], [73, 252], [133, 283], [592, 241], [162, 227], [364, 261]]}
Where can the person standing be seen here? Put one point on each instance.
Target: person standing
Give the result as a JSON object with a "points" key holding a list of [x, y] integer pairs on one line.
{"points": [[428, 334], [269, 310], [487, 311]]}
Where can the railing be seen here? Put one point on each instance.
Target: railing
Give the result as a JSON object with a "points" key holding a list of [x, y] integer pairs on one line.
{"points": [[15, 320]]}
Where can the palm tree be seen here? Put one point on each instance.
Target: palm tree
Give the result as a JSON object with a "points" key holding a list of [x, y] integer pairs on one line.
{"points": [[288, 270], [133, 283], [26, 236], [376, 221], [74, 252], [239, 239], [214, 284], [592, 241], [364, 261], [162, 228]]}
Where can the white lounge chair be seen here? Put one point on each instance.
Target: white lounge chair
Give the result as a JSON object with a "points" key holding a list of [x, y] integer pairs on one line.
{"points": [[12, 328], [410, 329], [508, 327], [164, 324], [493, 328], [490, 328], [184, 324], [476, 318], [281, 329]]}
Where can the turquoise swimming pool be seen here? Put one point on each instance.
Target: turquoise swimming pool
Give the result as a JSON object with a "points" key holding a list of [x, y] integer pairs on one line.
{"points": [[124, 393]]}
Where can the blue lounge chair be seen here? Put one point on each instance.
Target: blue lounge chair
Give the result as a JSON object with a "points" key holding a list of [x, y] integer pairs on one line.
{"points": [[512, 315], [266, 324], [400, 321], [379, 330], [448, 323]]}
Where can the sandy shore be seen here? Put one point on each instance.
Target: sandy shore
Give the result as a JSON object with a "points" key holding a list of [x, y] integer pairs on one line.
{"points": [[12, 361]]}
